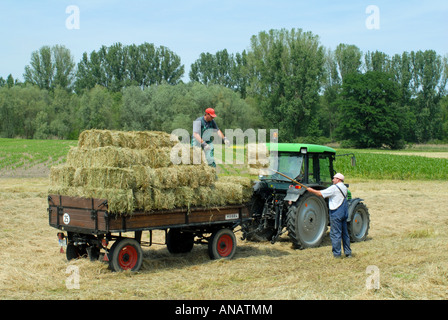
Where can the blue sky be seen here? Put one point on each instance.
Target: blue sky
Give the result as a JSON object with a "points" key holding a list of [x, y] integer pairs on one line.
{"points": [[191, 27]]}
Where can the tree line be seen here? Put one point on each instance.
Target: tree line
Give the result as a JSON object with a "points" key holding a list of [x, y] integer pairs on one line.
{"points": [[286, 80]]}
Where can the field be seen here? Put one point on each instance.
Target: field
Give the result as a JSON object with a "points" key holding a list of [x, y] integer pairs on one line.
{"points": [[407, 247]]}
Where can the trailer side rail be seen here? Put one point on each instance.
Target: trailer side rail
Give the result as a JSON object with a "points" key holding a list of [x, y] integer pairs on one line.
{"points": [[89, 215]]}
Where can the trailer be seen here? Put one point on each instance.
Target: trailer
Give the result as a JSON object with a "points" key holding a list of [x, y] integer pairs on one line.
{"points": [[90, 230]]}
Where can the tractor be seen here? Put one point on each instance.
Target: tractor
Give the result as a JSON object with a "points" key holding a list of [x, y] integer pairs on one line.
{"points": [[281, 203]]}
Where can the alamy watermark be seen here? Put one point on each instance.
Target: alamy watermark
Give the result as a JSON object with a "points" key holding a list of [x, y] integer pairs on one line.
{"points": [[72, 281], [73, 20], [373, 280], [373, 20], [257, 151]]}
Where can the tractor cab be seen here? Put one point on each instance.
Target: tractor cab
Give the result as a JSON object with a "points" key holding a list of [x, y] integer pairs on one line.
{"points": [[306, 163]]}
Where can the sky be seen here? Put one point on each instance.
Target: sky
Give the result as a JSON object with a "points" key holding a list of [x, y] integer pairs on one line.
{"points": [[191, 27]]}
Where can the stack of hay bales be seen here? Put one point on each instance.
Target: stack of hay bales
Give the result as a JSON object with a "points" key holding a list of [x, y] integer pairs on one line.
{"points": [[134, 172]]}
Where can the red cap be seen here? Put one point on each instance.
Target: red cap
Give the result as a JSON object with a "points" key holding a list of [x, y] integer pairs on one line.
{"points": [[211, 112]]}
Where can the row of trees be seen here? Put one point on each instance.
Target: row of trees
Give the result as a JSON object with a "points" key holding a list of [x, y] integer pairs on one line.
{"points": [[30, 112], [286, 80]]}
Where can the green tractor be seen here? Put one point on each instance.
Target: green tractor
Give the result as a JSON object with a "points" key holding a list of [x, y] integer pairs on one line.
{"points": [[281, 203]]}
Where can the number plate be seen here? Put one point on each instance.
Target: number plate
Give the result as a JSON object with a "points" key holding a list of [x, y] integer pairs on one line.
{"points": [[232, 216], [66, 218]]}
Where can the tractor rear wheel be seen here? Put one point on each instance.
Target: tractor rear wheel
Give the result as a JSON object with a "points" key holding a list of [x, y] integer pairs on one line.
{"points": [[307, 221]]}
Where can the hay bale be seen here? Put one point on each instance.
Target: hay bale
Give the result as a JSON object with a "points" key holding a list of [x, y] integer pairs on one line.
{"points": [[246, 183], [173, 177], [226, 193], [118, 157], [129, 139], [163, 199], [186, 154], [152, 199], [62, 175], [185, 176], [135, 171], [145, 177], [186, 197], [107, 178], [120, 201]]}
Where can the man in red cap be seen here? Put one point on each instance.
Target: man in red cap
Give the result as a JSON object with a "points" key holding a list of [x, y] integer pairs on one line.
{"points": [[203, 128]]}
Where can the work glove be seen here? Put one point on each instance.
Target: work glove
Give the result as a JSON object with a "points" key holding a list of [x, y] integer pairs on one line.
{"points": [[226, 142], [205, 146]]}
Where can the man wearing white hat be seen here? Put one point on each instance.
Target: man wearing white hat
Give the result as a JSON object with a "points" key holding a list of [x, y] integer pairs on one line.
{"points": [[338, 205]]}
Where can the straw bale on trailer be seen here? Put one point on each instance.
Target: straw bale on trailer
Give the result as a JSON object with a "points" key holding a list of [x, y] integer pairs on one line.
{"points": [[246, 183], [134, 171], [218, 194], [172, 177], [106, 177], [62, 175], [120, 201], [118, 157], [122, 139]]}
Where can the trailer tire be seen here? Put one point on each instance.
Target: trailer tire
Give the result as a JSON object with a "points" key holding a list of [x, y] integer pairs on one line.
{"points": [[222, 244], [179, 242], [125, 254], [75, 252]]}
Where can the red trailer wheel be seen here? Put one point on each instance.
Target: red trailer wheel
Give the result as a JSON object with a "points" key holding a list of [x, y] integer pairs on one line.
{"points": [[125, 254], [222, 244]]}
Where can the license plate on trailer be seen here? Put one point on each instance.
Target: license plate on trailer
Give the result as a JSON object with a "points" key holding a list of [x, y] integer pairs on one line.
{"points": [[232, 216]]}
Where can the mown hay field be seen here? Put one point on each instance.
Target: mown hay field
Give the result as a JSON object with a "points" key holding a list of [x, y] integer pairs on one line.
{"points": [[407, 246]]}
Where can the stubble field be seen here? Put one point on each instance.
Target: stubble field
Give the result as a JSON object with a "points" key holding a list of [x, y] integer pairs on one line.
{"points": [[406, 254], [407, 243]]}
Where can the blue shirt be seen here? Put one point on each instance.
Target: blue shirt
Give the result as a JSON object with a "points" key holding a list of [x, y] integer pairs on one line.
{"points": [[200, 126]]}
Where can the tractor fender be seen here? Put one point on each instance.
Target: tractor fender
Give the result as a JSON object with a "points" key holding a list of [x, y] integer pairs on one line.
{"points": [[293, 194], [351, 207]]}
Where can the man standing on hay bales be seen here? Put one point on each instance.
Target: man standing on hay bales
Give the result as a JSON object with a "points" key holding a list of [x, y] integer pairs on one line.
{"points": [[203, 130], [338, 205]]}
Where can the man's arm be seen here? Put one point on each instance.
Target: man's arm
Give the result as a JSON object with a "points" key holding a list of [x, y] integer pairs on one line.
{"points": [[221, 134], [197, 137], [316, 192]]}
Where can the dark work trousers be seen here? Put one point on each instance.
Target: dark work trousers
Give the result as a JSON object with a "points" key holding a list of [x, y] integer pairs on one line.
{"points": [[338, 230]]}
